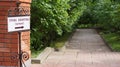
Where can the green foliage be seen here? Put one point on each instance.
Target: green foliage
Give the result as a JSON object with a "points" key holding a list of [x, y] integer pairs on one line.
{"points": [[35, 54], [59, 42], [107, 15], [76, 10], [113, 40], [50, 19], [104, 13]]}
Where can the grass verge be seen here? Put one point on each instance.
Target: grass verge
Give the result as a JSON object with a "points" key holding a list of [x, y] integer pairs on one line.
{"points": [[35, 53], [113, 39], [60, 42]]}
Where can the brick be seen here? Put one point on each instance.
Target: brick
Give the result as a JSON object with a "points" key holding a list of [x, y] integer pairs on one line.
{"points": [[15, 36], [25, 37], [4, 50], [14, 64], [3, 31], [26, 48], [24, 4], [28, 1], [1, 58], [2, 35], [25, 41], [10, 36], [3, 8], [2, 40], [1, 63], [4, 4], [3, 22], [14, 57], [3, 13], [7, 0], [3, 26], [14, 46], [14, 33], [3, 17], [1, 53], [14, 50], [7, 63], [9, 41], [7, 59], [6, 54], [2, 45], [26, 33], [5, 40], [15, 41], [8, 45]]}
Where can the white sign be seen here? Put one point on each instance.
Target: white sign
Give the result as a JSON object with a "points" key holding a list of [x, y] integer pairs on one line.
{"points": [[19, 23]]}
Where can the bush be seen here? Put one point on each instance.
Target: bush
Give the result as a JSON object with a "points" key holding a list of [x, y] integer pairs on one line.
{"points": [[50, 19], [103, 13]]}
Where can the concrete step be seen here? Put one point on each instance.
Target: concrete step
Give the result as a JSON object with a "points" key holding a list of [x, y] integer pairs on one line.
{"points": [[42, 56]]}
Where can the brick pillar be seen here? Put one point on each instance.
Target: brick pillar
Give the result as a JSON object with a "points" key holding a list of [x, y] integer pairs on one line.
{"points": [[9, 42]]}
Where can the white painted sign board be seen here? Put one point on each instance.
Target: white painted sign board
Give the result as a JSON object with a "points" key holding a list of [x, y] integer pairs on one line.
{"points": [[18, 23]]}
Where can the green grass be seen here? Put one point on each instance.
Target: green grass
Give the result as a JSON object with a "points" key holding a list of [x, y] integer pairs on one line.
{"points": [[35, 53], [60, 42], [113, 40]]}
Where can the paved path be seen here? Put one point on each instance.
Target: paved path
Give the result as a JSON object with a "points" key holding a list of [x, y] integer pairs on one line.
{"points": [[85, 49]]}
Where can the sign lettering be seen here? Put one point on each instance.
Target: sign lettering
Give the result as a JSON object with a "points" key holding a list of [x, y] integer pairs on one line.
{"points": [[19, 23]]}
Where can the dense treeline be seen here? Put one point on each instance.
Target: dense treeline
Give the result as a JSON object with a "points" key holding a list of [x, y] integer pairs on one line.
{"points": [[52, 19], [104, 14]]}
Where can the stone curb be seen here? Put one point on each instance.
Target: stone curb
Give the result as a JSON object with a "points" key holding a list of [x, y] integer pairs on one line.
{"points": [[67, 42], [47, 51], [106, 43], [42, 56]]}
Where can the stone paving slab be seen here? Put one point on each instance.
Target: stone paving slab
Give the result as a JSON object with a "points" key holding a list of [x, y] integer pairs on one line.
{"points": [[85, 49]]}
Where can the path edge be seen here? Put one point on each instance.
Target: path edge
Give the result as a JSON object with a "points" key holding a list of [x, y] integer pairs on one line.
{"points": [[42, 56], [106, 43]]}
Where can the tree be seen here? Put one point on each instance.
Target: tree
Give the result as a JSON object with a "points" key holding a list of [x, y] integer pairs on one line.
{"points": [[52, 18]]}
